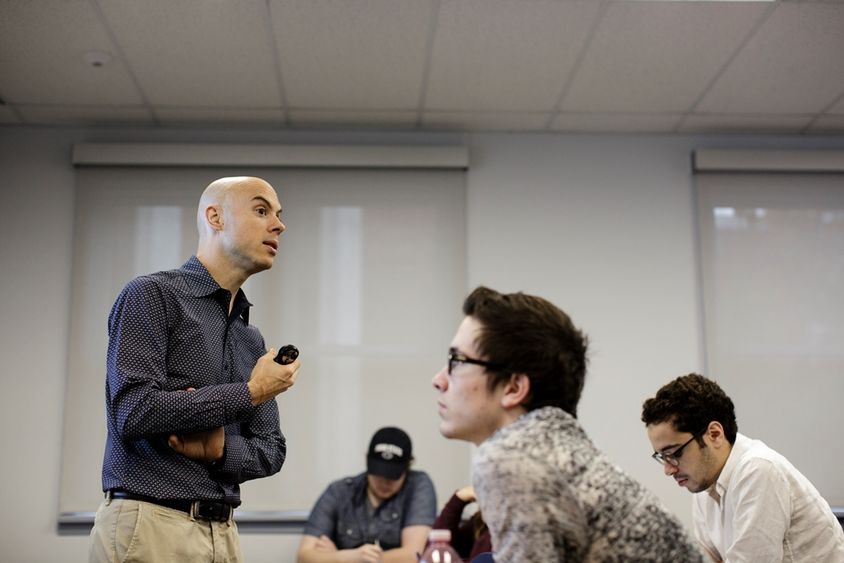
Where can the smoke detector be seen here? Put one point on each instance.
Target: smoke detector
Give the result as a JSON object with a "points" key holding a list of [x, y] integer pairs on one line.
{"points": [[96, 58]]}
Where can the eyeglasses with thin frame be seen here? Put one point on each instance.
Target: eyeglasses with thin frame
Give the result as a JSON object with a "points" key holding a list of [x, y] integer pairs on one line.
{"points": [[673, 458], [455, 357]]}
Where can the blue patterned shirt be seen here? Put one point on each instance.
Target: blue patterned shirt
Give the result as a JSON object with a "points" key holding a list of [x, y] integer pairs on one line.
{"points": [[170, 331]]}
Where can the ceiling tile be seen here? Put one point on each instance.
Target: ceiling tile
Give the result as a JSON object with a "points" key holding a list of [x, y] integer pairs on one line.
{"points": [[41, 49], [616, 123], [482, 121], [252, 117], [767, 124], [197, 52], [352, 54], [658, 56], [794, 64], [504, 55], [85, 115], [487, 65], [353, 119]]}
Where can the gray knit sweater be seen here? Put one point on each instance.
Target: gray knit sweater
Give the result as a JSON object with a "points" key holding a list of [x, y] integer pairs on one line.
{"points": [[548, 494]]}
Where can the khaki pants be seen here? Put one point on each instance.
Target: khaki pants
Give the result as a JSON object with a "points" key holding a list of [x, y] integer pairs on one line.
{"points": [[134, 531]]}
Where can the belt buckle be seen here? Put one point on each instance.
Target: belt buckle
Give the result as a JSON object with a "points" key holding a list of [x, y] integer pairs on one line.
{"points": [[210, 510]]}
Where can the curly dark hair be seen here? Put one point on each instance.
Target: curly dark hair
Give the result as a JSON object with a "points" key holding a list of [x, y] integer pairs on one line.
{"points": [[690, 403], [527, 334]]}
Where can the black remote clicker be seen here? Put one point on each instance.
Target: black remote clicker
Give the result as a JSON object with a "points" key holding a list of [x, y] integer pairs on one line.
{"points": [[287, 354]]}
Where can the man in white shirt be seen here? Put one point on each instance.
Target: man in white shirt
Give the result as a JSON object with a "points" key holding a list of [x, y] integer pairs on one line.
{"points": [[752, 503]]}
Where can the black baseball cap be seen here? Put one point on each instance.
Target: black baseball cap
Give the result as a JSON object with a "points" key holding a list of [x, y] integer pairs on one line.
{"points": [[389, 454]]}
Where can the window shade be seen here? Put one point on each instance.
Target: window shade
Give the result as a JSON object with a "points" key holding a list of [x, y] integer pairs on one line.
{"points": [[368, 284]]}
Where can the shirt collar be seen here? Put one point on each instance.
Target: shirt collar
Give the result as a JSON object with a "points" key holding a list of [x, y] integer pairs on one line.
{"points": [[359, 484], [201, 283], [722, 485], [359, 488]]}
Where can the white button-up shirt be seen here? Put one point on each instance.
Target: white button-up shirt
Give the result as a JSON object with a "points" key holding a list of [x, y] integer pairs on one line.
{"points": [[762, 509]]}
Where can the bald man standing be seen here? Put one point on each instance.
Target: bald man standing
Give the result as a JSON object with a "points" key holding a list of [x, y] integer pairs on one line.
{"points": [[189, 391]]}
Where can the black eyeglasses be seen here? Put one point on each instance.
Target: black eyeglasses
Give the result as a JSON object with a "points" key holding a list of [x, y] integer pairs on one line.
{"points": [[457, 358], [673, 458]]}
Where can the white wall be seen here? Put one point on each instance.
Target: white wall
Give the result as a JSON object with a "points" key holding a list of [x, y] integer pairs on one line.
{"points": [[36, 183], [602, 226]]}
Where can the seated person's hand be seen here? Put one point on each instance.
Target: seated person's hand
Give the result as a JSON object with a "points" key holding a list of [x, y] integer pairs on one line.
{"points": [[466, 494], [368, 553]]}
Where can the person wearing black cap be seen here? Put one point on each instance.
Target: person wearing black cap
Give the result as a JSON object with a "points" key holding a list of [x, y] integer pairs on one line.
{"points": [[381, 515]]}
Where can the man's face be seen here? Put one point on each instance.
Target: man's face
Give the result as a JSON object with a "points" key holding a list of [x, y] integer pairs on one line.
{"points": [[252, 225], [698, 467], [468, 409], [383, 488]]}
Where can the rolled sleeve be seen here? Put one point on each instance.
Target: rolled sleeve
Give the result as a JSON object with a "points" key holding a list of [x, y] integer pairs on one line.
{"points": [[323, 517], [422, 501]]}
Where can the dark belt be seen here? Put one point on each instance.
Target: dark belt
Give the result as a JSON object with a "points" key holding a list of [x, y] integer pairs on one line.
{"points": [[201, 509]]}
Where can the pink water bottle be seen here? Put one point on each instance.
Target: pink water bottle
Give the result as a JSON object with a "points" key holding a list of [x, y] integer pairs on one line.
{"points": [[439, 548]]}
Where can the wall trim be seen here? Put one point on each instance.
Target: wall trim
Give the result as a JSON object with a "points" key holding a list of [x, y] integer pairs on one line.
{"points": [[249, 522], [271, 155], [725, 160]]}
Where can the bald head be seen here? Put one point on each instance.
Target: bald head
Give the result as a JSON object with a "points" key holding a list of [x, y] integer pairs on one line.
{"points": [[218, 194], [239, 222]]}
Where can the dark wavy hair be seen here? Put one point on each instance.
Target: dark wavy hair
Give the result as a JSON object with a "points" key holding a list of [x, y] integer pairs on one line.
{"points": [[690, 403], [527, 334]]}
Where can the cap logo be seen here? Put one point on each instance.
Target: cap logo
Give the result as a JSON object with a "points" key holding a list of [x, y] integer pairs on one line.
{"points": [[388, 451]]}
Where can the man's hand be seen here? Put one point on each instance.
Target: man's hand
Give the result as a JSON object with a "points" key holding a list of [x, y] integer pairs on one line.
{"points": [[204, 446], [322, 548], [367, 553], [207, 446], [269, 379]]}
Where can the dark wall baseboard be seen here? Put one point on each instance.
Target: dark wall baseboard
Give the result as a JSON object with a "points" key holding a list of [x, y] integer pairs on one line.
{"points": [[248, 522]]}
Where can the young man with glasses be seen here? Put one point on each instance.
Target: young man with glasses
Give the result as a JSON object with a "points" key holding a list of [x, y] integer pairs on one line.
{"points": [[754, 505], [511, 386]]}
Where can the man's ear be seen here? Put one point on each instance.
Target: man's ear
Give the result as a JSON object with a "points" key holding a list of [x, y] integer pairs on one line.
{"points": [[516, 391], [714, 435], [214, 217]]}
